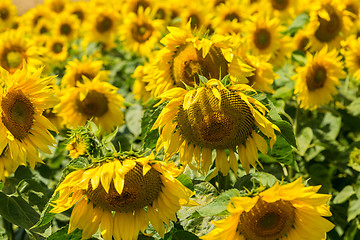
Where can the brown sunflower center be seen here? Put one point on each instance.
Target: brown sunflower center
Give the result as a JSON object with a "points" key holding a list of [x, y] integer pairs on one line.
{"points": [[160, 14], [279, 4], [103, 24], [79, 77], [12, 58], [188, 64], [43, 30], [18, 113], [141, 33], [79, 14], [139, 191], [268, 221], [209, 125], [4, 13], [218, 2], [57, 47], [65, 29], [231, 16], [262, 38], [58, 7], [195, 21], [328, 30], [302, 43], [316, 77], [95, 104]]}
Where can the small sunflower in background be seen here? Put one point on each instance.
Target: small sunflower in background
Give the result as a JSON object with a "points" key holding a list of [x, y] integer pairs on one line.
{"points": [[134, 5], [15, 48], [289, 211], [229, 17], [316, 82], [185, 57], [210, 117], [85, 67], [301, 41], [66, 25], [8, 13], [43, 27], [263, 34], [196, 13], [352, 57], [330, 23], [140, 32], [56, 50], [57, 6], [122, 195], [23, 128], [286, 11], [102, 26], [353, 6], [79, 9], [31, 18], [96, 100]]}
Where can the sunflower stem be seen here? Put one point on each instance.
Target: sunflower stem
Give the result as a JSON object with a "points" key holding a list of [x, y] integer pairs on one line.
{"points": [[223, 182], [9, 229]]}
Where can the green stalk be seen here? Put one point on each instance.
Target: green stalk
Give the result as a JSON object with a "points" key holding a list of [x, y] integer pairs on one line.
{"points": [[9, 229]]}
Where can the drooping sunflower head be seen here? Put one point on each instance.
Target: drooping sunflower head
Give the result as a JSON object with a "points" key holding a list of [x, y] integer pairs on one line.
{"points": [[214, 117], [186, 56], [286, 211], [141, 33], [96, 100], [86, 67], [329, 24], [25, 130], [122, 194], [8, 12], [14, 49], [316, 82], [79, 143]]}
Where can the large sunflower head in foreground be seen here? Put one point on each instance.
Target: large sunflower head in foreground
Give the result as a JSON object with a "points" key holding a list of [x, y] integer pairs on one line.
{"points": [[290, 211], [122, 195], [214, 117], [329, 24], [94, 100], [14, 49], [186, 56], [141, 33], [23, 128], [316, 82]]}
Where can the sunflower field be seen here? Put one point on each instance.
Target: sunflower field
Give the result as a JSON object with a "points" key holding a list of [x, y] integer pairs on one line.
{"points": [[180, 120]]}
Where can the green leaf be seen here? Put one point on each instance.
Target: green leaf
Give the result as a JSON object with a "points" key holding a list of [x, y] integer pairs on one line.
{"points": [[304, 140], [219, 204], [300, 21], [286, 131], [331, 125], [181, 235], [282, 151], [62, 234], [353, 210], [354, 107], [186, 181], [148, 120], [344, 195], [133, 117]]}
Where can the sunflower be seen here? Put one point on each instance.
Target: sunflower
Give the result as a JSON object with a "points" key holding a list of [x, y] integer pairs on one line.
{"points": [[56, 50], [198, 14], [301, 41], [8, 12], [66, 25], [186, 56], [96, 100], [14, 49], [79, 9], [209, 117], [122, 195], [229, 17], [329, 24], [86, 67], [8, 165], [141, 33], [43, 27], [56, 6], [289, 211], [285, 10], [316, 82], [281, 55], [23, 128], [263, 34], [353, 6], [32, 17], [135, 5], [352, 58], [102, 26]]}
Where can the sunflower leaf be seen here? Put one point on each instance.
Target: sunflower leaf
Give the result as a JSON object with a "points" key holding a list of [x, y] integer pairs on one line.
{"points": [[286, 132], [62, 234]]}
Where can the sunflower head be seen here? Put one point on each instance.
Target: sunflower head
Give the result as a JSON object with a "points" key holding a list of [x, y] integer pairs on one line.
{"points": [[213, 116], [123, 193], [284, 211]]}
